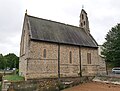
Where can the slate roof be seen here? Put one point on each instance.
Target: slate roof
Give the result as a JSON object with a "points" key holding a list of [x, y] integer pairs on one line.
{"points": [[51, 31]]}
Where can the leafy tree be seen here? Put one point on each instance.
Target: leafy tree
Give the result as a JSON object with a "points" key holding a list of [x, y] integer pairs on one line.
{"points": [[2, 62], [111, 48], [12, 60]]}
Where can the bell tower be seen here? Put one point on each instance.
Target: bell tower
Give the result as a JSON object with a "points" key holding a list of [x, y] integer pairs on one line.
{"points": [[84, 23]]}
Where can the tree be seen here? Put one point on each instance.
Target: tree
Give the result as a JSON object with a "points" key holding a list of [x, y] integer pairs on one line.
{"points": [[2, 62], [12, 60], [111, 49]]}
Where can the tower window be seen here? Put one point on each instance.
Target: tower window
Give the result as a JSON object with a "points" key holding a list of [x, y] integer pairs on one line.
{"points": [[82, 16], [44, 53], [81, 25], [84, 22], [89, 58], [70, 57]]}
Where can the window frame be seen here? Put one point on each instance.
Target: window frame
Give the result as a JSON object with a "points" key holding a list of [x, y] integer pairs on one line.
{"points": [[70, 57], [89, 58], [82, 17], [44, 53]]}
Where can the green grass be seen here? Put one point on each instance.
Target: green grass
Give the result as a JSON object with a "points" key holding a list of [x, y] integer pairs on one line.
{"points": [[0, 86], [13, 78]]}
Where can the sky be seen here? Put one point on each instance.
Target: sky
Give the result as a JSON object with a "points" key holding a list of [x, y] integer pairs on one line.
{"points": [[102, 15]]}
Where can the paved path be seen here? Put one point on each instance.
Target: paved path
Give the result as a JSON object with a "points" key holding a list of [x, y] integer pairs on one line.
{"points": [[95, 86]]}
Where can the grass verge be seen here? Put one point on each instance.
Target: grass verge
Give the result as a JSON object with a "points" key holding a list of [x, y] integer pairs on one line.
{"points": [[13, 78], [0, 86]]}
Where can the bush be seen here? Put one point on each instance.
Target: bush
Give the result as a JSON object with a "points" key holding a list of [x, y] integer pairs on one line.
{"points": [[60, 86]]}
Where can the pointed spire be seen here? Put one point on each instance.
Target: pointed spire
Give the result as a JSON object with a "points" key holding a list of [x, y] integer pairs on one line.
{"points": [[82, 6], [26, 12]]}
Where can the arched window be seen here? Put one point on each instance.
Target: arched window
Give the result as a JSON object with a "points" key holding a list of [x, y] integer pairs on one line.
{"points": [[81, 25], [89, 58], [84, 22], [70, 57], [82, 16], [44, 53]]}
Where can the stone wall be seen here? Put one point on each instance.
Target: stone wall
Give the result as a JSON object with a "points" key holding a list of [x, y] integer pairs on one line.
{"points": [[89, 69], [44, 84], [40, 66], [67, 68], [37, 66], [102, 67], [22, 66], [24, 45]]}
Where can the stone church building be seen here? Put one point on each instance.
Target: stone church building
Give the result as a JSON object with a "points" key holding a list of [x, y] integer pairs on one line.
{"points": [[51, 49]]}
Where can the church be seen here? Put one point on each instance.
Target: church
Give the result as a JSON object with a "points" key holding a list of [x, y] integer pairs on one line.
{"points": [[51, 49]]}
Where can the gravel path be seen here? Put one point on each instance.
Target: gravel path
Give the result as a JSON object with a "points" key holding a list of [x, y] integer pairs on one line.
{"points": [[95, 86]]}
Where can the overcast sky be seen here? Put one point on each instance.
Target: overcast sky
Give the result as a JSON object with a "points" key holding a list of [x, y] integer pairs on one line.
{"points": [[102, 15]]}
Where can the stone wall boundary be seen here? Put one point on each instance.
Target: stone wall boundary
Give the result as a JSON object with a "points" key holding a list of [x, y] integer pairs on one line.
{"points": [[46, 84]]}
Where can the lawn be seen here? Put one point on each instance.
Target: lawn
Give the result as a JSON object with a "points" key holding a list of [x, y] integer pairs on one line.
{"points": [[13, 78], [0, 86]]}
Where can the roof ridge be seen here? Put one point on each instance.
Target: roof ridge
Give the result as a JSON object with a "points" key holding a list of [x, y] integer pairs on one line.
{"points": [[54, 21]]}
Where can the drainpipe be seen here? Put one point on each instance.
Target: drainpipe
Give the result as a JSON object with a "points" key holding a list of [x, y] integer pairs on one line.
{"points": [[58, 61], [80, 61]]}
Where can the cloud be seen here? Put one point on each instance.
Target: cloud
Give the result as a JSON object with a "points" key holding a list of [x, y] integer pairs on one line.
{"points": [[11, 19], [102, 14]]}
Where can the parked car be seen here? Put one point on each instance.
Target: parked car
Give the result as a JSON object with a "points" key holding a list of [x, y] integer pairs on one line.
{"points": [[116, 70]]}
